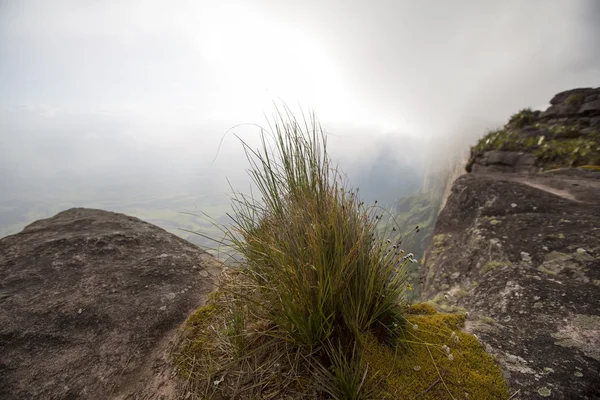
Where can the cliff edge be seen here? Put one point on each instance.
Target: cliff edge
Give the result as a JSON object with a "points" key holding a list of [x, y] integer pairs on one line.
{"points": [[517, 247]]}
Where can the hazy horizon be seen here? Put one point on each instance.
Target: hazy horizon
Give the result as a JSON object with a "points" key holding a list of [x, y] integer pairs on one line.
{"points": [[122, 104]]}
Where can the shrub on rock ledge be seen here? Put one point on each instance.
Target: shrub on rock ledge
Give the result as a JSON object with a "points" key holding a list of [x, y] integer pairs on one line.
{"points": [[318, 284]]}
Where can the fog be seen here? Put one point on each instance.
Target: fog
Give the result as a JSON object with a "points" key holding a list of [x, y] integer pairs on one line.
{"points": [[123, 104]]}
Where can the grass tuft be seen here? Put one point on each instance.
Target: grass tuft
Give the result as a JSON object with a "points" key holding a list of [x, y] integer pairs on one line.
{"points": [[523, 118], [319, 292], [316, 272], [311, 246]]}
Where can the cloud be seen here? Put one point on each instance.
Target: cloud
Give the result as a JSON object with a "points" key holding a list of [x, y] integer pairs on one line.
{"points": [[143, 91]]}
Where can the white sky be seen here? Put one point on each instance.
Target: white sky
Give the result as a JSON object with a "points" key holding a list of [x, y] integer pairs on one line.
{"points": [[99, 88], [413, 66]]}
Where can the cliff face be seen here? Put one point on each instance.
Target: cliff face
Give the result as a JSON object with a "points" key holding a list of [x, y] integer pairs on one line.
{"points": [[519, 250], [89, 301], [422, 209]]}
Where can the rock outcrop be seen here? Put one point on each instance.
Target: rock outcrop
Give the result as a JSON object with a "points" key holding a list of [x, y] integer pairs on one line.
{"points": [[565, 135], [520, 252], [89, 302]]}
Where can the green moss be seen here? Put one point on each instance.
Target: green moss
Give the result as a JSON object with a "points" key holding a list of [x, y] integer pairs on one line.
{"points": [[421, 309], [590, 167], [492, 220], [440, 302], [523, 118], [575, 100], [195, 340], [564, 146], [491, 265], [393, 372], [403, 373], [461, 292]]}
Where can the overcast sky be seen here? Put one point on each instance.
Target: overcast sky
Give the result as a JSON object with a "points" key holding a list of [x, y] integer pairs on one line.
{"points": [[103, 85], [400, 65]]}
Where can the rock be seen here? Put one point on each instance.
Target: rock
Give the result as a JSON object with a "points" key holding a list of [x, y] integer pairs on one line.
{"points": [[506, 161], [573, 102], [540, 285], [592, 107], [552, 112], [563, 96], [80, 295]]}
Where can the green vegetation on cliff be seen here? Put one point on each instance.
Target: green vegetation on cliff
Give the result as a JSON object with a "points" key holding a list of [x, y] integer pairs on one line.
{"points": [[223, 344], [319, 299], [554, 145]]}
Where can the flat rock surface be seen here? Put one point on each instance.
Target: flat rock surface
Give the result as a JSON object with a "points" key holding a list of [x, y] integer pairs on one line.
{"points": [[90, 301], [521, 254]]}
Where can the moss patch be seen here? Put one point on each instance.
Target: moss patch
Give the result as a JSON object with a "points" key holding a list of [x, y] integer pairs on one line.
{"points": [[410, 370], [441, 302], [575, 100], [422, 309], [590, 167], [195, 341], [416, 370], [491, 220], [491, 265]]}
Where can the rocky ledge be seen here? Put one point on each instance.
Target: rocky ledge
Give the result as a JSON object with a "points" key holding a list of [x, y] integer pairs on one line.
{"points": [[520, 253], [567, 134], [90, 301]]}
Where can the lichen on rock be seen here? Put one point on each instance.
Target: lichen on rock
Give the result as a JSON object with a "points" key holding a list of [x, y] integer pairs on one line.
{"points": [[528, 234]]}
